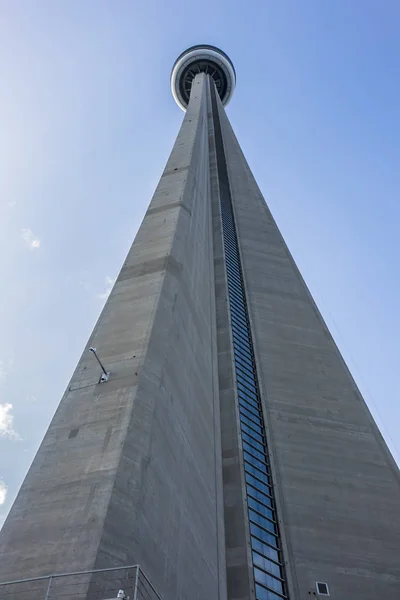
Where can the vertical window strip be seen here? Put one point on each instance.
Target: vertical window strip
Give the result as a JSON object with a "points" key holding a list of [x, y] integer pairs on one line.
{"points": [[265, 578]]}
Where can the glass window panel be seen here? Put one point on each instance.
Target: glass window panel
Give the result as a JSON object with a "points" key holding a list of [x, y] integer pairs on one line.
{"points": [[249, 407], [264, 549], [240, 329], [234, 285], [262, 521], [237, 293], [228, 224], [244, 353], [238, 296], [245, 419], [260, 507], [238, 322], [247, 367], [250, 390], [239, 311], [243, 331], [229, 229], [250, 386], [244, 381], [257, 463], [259, 496], [233, 272], [244, 337], [240, 318], [235, 321], [237, 304], [266, 579], [248, 378], [247, 396], [250, 440], [234, 276], [235, 308], [240, 338], [231, 249], [266, 564], [253, 451], [249, 402], [251, 432], [240, 342], [238, 315], [251, 469], [236, 299], [258, 484], [226, 208], [230, 241], [231, 256], [261, 473], [262, 534], [243, 363], [245, 371], [251, 420], [248, 393], [243, 359], [228, 218], [263, 594]]}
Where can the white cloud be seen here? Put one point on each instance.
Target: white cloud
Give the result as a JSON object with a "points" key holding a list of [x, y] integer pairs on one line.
{"points": [[6, 422], [30, 240], [3, 491], [109, 282]]}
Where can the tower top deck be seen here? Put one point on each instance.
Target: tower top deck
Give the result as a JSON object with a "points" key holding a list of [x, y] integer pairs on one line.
{"points": [[198, 59]]}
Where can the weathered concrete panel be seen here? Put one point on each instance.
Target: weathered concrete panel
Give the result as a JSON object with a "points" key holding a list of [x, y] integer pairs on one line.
{"points": [[139, 479], [337, 484]]}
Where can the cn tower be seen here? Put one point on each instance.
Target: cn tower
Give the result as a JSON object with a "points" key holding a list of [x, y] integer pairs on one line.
{"points": [[211, 443]]}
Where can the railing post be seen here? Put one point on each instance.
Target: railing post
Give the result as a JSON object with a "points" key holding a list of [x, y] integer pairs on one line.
{"points": [[48, 588], [135, 594]]}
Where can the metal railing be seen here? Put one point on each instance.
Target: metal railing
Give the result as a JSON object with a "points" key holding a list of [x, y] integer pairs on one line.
{"points": [[100, 584]]}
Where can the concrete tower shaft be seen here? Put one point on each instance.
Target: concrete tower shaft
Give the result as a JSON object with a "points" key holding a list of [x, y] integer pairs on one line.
{"points": [[229, 453], [129, 471]]}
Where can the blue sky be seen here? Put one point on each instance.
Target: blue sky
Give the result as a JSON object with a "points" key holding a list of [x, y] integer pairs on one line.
{"points": [[88, 122]]}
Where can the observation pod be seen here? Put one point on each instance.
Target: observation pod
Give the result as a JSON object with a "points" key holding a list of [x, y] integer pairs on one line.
{"points": [[199, 59]]}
